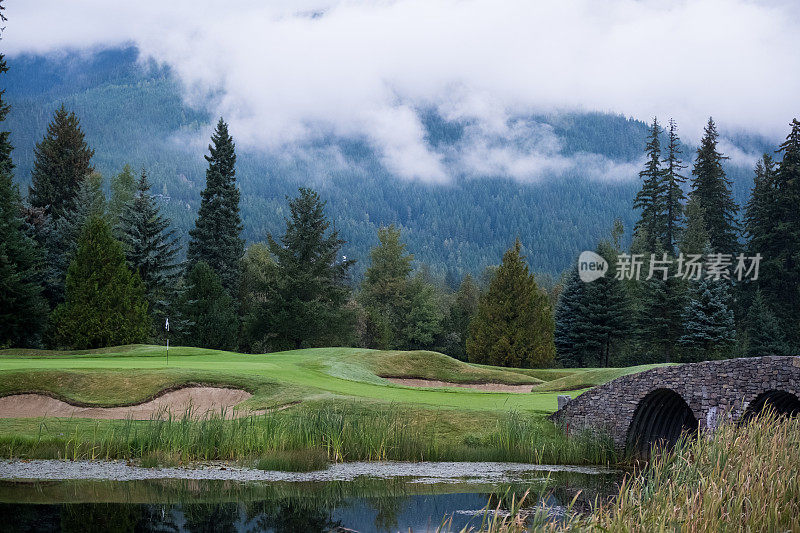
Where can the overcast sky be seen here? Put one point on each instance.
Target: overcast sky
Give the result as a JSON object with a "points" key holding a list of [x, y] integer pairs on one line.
{"points": [[285, 72]]}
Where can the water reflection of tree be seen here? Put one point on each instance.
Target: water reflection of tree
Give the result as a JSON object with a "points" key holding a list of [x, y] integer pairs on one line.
{"points": [[112, 517]]}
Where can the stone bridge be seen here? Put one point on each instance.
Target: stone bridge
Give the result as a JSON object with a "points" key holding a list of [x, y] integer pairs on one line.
{"points": [[656, 405]]}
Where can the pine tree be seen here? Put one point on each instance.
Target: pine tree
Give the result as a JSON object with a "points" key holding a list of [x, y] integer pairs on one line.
{"points": [[258, 277], [781, 245], [105, 302], [206, 312], [150, 246], [22, 308], [651, 198], [570, 322], [123, 189], [384, 291], [216, 237], [514, 324], [711, 189], [709, 328], [659, 322], [456, 324], [760, 212], [673, 191], [422, 315], [764, 334], [695, 238], [62, 239], [311, 288], [63, 161], [604, 310]]}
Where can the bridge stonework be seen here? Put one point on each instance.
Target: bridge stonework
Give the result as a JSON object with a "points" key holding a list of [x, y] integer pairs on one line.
{"points": [[712, 390]]}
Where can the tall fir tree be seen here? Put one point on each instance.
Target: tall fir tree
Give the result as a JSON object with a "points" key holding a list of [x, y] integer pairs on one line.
{"points": [[781, 245], [456, 323], [570, 322], [123, 189], [760, 209], [708, 322], [765, 335], [659, 320], [711, 189], [306, 306], [62, 162], [651, 198], [605, 311], [384, 291], [62, 239], [673, 190], [514, 323], [151, 246], [206, 312], [216, 237], [22, 309], [695, 237], [105, 303]]}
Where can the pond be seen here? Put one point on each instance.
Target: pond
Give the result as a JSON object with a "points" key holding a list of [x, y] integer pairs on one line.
{"points": [[381, 497]]}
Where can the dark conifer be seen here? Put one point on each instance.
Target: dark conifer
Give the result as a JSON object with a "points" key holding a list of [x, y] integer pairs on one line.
{"points": [[216, 237], [673, 190], [765, 335], [651, 198], [570, 322], [22, 309], [63, 161], [514, 323], [206, 312], [105, 303], [711, 189], [150, 245]]}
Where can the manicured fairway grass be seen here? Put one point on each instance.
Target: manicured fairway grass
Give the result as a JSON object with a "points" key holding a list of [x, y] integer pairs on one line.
{"points": [[346, 385]]}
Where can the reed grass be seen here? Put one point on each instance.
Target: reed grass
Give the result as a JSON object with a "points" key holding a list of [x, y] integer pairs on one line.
{"points": [[741, 478], [296, 440]]}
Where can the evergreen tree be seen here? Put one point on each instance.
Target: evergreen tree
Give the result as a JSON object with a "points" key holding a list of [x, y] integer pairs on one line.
{"points": [[422, 315], [673, 191], [514, 324], [206, 312], [604, 315], [711, 189], [123, 189], [651, 198], [150, 245], [105, 302], [760, 214], [660, 308], [306, 306], [22, 308], [781, 244], [695, 238], [456, 323], [62, 239], [384, 291], [63, 161], [570, 322], [764, 334], [258, 277], [709, 328], [216, 237]]}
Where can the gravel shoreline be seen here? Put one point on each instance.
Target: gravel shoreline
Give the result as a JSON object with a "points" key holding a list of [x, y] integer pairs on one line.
{"points": [[426, 472]]}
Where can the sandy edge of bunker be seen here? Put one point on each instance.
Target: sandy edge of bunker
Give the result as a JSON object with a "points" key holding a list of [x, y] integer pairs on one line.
{"points": [[199, 401], [433, 383]]}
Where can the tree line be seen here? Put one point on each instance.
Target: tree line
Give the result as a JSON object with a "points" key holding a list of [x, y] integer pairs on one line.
{"points": [[667, 317], [83, 270]]}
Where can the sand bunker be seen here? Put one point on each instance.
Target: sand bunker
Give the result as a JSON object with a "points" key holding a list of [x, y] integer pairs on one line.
{"points": [[203, 401], [491, 387]]}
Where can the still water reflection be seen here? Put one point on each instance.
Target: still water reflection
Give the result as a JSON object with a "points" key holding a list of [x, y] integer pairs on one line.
{"points": [[361, 504]]}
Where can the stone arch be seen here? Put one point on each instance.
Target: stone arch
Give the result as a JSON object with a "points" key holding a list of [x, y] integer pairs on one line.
{"points": [[782, 402], [659, 420]]}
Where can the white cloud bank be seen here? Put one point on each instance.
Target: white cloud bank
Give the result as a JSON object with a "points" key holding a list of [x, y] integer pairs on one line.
{"points": [[282, 73]]}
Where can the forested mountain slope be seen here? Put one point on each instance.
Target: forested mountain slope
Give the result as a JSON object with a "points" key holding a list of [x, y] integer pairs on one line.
{"points": [[135, 114]]}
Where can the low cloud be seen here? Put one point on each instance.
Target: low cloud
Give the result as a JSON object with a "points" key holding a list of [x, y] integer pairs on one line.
{"points": [[287, 73]]}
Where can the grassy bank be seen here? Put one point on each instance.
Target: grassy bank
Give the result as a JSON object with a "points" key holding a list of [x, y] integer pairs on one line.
{"points": [[742, 479], [308, 438]]}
